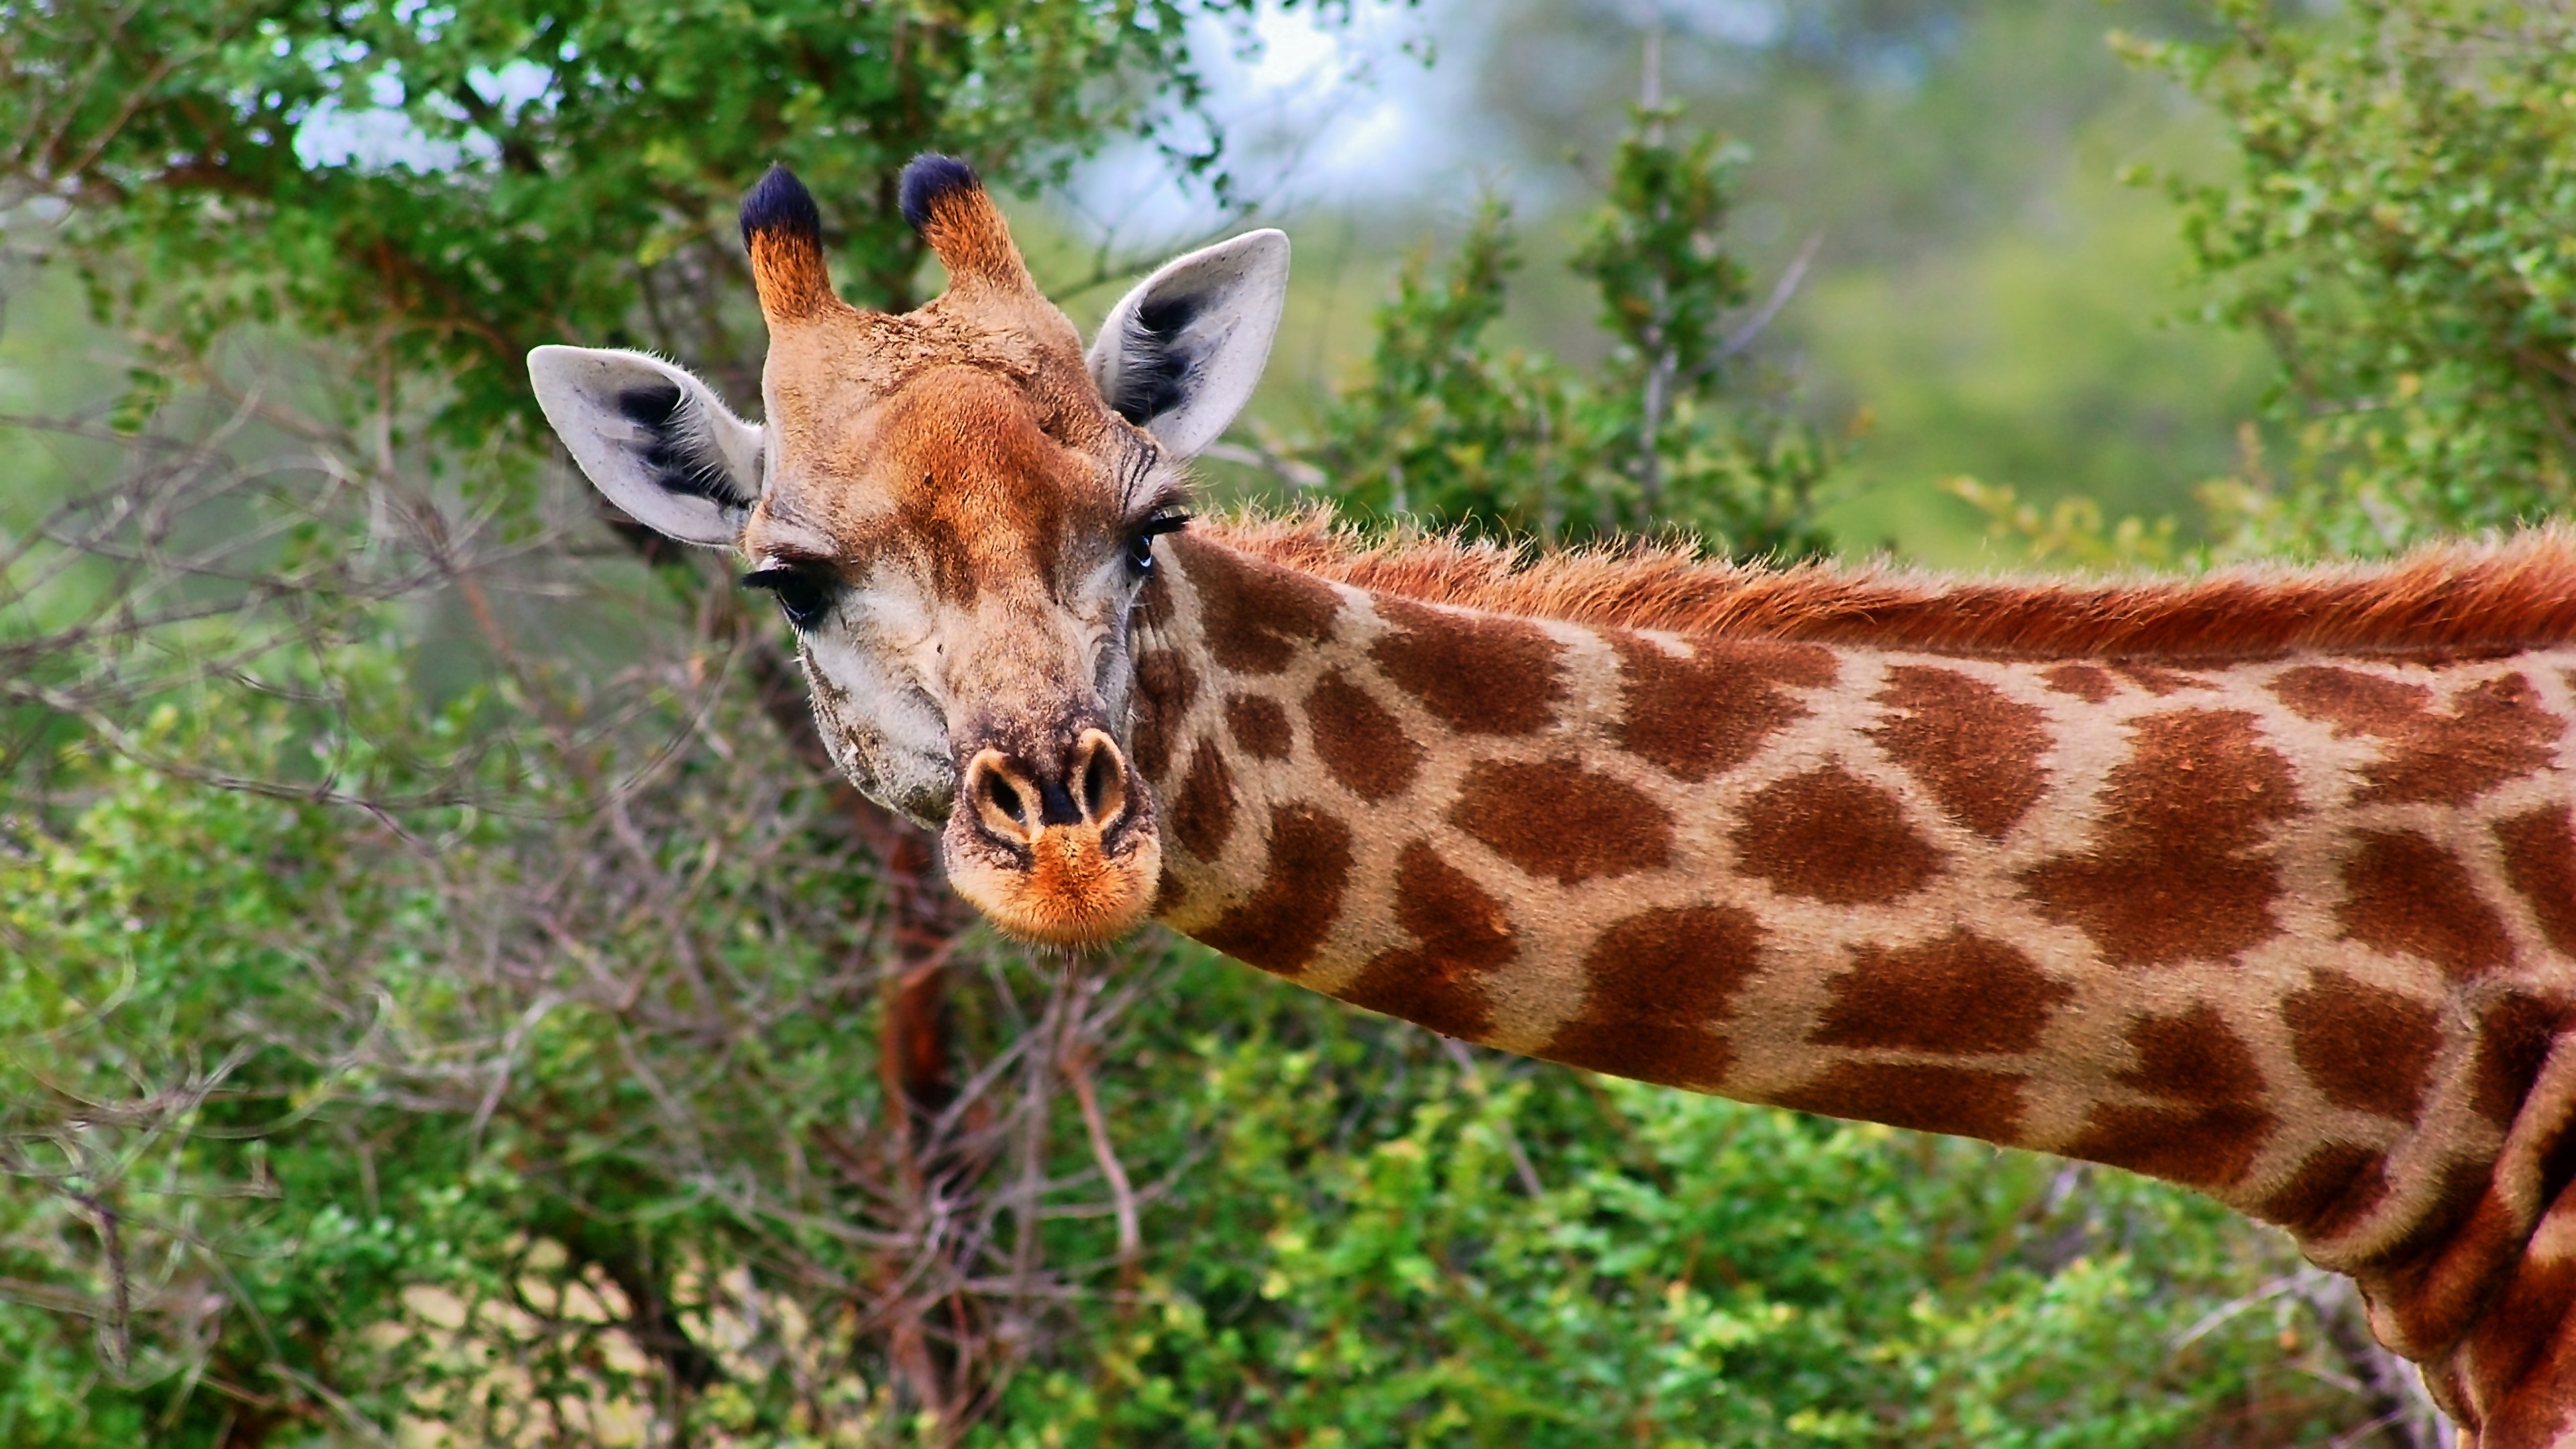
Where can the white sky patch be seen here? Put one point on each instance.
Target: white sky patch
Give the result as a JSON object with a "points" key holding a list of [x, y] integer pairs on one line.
{"points": [[379, 136], [1342, 113], [1349, 114]]}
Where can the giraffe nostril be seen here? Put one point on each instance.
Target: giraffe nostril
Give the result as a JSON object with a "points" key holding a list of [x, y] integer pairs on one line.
{"points": [[1087, 786], [1095, 784], [1103, 779], [1001, 797], [1004, 797]]}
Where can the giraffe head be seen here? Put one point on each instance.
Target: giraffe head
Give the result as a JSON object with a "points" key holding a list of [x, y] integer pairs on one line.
{"points": [[957, 509]]}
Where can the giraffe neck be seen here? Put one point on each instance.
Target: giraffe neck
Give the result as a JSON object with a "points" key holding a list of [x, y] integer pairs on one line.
{"points": [[2299, 932]]}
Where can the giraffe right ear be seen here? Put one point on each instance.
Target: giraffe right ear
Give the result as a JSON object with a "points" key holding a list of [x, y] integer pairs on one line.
{"points": [[657, 441], [1180, 355]]}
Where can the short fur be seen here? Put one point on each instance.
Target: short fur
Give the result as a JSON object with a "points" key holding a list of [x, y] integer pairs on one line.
{"points": [[783, 231], [2293, 923], [2442, 600], [947, 205]]}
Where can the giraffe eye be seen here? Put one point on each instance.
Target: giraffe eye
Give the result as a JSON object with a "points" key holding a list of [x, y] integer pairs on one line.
{"points": [[1140, 544], [804, 594]]}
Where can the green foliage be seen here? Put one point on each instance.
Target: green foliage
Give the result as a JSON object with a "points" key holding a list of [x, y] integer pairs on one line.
{"points": [[1985, 298], [2071, 533], [307, 1137], [1450, 428], [1388, 1245], [2404, 236], [177, 1066], [1444, 425], [2038, 361], [464, 182], [1653, 249]]}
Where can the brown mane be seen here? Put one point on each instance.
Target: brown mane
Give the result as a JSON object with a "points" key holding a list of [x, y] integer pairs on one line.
{"points": [[2445, 599]]}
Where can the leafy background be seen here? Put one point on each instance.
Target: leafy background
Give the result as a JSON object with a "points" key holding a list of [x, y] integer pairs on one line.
{"points": [[444, 1001]]}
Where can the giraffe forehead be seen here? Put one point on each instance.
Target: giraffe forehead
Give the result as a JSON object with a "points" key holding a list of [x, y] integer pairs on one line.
{"points": [[959, 474]]}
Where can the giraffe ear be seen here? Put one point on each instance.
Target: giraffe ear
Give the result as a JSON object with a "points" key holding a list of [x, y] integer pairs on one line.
{"points": [[657, 441], [1179, 356]]}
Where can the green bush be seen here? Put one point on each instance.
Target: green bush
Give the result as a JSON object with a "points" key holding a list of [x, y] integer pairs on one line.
{"points": [[2403, 235], [1449, 430]]}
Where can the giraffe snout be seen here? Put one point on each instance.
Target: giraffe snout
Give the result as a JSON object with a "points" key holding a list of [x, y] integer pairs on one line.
{"points": [[1055, 843]]}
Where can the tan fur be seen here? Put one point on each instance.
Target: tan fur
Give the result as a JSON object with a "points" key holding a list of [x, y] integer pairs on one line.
{"points": [[2263, 882], [957, 465], [788, 273], [968, 235]]}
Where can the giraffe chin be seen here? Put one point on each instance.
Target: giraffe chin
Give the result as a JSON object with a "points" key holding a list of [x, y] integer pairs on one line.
{"points": [[1066, 888]]}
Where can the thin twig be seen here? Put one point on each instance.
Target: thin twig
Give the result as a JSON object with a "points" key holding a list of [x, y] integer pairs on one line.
{"points": [[1781, 291]]}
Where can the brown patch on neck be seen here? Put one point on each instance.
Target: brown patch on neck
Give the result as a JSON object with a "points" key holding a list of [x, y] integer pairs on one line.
{"points": [[1279, 926], [2363, 1046], [2540, 863], [2087, 682], [1202, 809], [1830, 836], [1960, 994], [1361, 742], [1257, 615], [2408, 896], [1657, 983], [2211, 1137], [2443, 601], [1476, 675], [2175, 873], [2192, 1056], [1556, 818], [1260, 725], [1976, 750], [1164, 688], [2515, 1036], [1956, 1100], [1465, 936], [2493, 732], [1709, 713], [2333, 1189]]}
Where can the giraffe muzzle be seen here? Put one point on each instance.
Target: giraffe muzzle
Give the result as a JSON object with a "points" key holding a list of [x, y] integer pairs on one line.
{"points": [[1055, 845]]}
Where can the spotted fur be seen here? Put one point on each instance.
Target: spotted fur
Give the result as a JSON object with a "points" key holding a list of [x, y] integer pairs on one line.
{"points": [[2290, 925], [2263, 883]]}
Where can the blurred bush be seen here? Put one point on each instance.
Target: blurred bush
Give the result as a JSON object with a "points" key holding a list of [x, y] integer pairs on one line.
{"points": [[2403, 235], [1453, 430]]}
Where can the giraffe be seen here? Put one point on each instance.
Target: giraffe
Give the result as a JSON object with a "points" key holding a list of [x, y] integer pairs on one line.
{"points": [[2262, 883]]}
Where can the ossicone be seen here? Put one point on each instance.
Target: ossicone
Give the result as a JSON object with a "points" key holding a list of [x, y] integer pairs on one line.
{"points": [[945, 202], [783, 231], [929, 179]]}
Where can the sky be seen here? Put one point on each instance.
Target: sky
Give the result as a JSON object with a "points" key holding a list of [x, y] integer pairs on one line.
{"points": [[1337, 113]]}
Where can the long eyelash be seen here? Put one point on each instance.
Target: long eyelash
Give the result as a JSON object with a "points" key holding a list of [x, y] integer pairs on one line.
{"points": [[1142, 465], [1172, 497]]}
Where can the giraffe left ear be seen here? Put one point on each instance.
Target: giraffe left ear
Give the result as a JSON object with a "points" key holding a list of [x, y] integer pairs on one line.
{"points": [[656, 440], [1180, 355]]}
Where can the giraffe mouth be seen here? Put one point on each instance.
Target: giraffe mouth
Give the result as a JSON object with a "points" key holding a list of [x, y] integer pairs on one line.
{"points": [[1058, 848]]}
